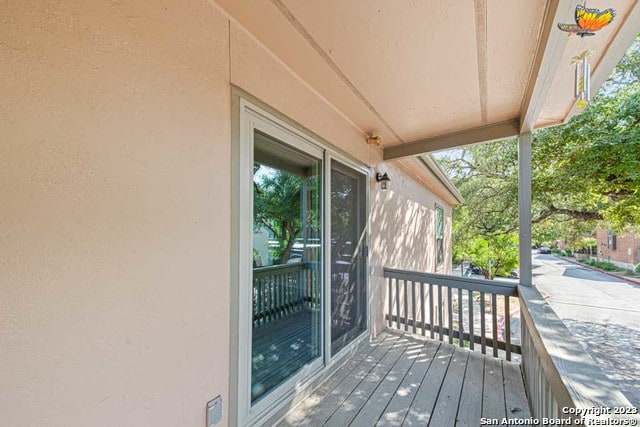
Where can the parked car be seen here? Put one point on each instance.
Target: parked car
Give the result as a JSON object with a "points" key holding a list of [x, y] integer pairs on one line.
{"points": [[544, 250], [472, 269], [515, 274]]}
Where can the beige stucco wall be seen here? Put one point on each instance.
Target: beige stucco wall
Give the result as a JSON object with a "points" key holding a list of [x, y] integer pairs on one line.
{"points": [[403, 233], [115, 206]]}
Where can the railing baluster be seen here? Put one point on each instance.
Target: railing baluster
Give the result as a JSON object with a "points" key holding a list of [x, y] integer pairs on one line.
{"points": [[281, 283], [264, 289], [494, 316], [406, 306], [450, 313], [460, 319], [279, 295], [413, 305], [287, 296], [440, 303], [299, 290], [391, 279], [258, 301], [397, 304], [285, 293], [422, 301], [265, 299], [276, 279], [507, 326], [310, 289], [314, 288], [273, 296], [431, 326], [471, 327], [483, 335]]}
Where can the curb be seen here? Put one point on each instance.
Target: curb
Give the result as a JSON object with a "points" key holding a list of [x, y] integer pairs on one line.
{"points": [[608, 273]]}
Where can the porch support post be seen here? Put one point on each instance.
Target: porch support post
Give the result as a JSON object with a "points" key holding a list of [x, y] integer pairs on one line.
{"points": [[524, 207]]}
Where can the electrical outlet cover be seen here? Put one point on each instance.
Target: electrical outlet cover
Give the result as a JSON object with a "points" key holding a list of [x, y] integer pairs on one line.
{"points": [[214, 411]]}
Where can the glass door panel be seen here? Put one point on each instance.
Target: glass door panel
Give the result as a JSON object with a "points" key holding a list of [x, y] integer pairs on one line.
{"points": [[348, 255], [287, 248]]}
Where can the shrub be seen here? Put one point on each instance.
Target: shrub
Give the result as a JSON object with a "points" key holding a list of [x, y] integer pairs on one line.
{"points": [[602, 265], [568, 252], [638, 268]]}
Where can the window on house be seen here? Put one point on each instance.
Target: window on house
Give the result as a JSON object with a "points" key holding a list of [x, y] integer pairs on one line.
{"points": [[611, 240], [439, 236]]}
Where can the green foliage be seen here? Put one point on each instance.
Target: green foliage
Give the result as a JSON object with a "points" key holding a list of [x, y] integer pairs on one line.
{"points": [[602, 265], [586, 243], [277, 199], [588, 169], [496, 256], [637, 269], [584, 173]]}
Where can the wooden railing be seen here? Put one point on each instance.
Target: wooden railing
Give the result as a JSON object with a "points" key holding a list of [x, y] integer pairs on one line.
{"points": [[560, 377], [280, 290], [435, 303]]}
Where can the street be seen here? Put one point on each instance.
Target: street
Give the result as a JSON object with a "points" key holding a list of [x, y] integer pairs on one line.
{"points": [[603, 313]]}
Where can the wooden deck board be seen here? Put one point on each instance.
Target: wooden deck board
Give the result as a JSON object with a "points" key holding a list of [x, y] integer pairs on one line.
{"points": [[352, 405], [470, 405], [284, 346], [515, 396], [421, 408], [343, 390], [405, 380], [396, 410], [374, 407], [493, 405], [298, 414], [444, 413]]}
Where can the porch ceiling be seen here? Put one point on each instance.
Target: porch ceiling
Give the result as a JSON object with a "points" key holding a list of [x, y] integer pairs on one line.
{"points": [[413, 71]]}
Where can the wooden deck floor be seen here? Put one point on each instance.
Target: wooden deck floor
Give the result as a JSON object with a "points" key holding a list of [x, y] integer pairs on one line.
{"points": [[281, 348], [405, 380]]}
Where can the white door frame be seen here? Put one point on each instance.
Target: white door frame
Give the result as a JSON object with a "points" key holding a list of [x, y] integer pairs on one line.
{"points": [[246, 118]]}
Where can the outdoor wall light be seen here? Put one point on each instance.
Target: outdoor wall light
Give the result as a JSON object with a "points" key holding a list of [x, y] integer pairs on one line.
{"points": [[383, 179]]}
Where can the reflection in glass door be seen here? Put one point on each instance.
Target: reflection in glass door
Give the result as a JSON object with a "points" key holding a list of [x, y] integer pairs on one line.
{"points": [[287, 248], [348, 255]]}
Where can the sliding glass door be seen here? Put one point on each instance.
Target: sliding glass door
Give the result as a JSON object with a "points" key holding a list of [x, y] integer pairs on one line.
{"points": [[287, 249], [301, 254], [348, 255]]}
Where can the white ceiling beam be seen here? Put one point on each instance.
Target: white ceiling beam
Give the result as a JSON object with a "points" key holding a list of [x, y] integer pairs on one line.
{"points": [[617, 48], [486, 133], [551, 46]]}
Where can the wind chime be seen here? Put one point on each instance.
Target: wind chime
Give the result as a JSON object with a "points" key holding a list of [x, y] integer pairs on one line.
{"points": [[582, 78], [587, 22]]}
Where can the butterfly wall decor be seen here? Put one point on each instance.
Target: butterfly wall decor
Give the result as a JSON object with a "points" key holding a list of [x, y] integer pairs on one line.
{"points": [[588, 21]]}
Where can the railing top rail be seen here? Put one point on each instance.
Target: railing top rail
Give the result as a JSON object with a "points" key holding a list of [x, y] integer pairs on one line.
{"points": [[573, 376], [478, 285], [271, 268]]}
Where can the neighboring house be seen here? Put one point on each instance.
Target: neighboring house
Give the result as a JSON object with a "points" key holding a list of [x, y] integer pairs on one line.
{"points": [[620, 249], [131, 292]]}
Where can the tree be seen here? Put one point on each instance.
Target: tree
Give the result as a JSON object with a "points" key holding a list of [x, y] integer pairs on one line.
{"points": [[588, 169], [277, 201], [583, 172]]}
